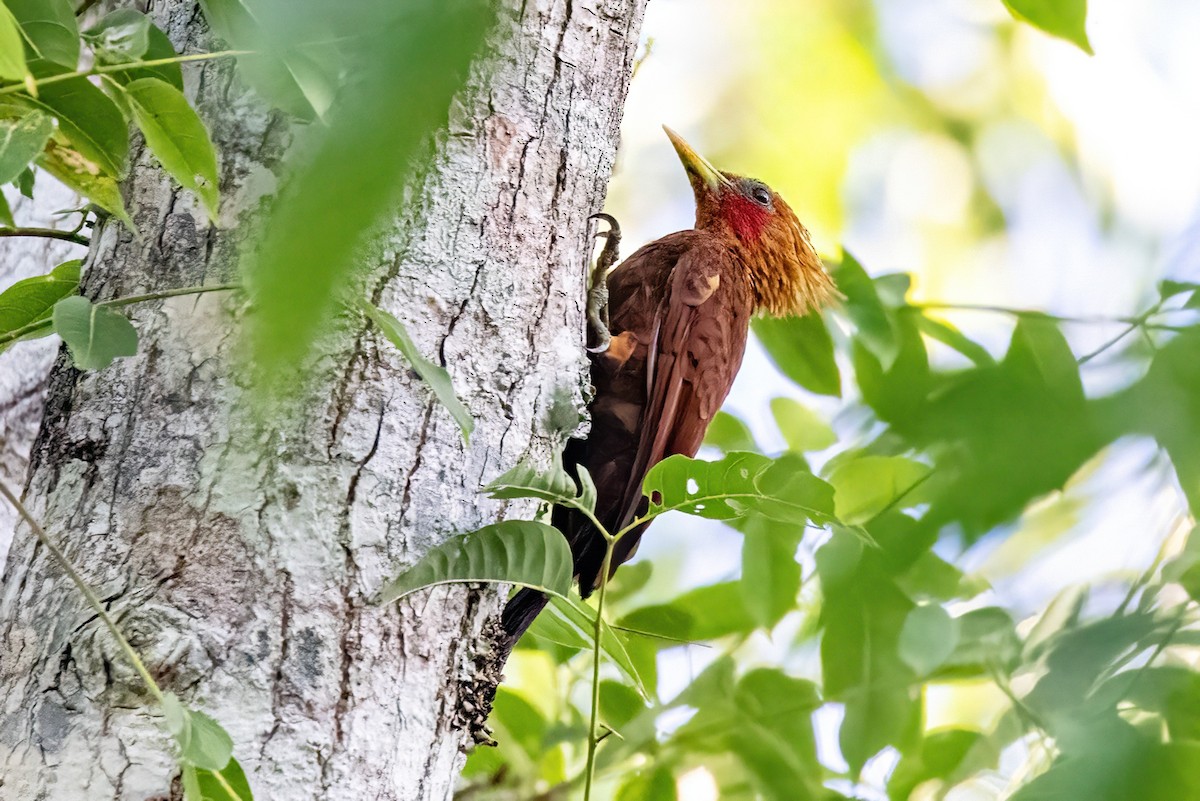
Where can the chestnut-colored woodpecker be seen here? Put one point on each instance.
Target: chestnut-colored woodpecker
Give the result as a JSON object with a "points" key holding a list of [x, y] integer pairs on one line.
{"points": [[679, 311]]}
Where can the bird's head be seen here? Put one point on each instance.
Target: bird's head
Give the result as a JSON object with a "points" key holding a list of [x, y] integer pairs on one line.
{"points": [[785, 270]]}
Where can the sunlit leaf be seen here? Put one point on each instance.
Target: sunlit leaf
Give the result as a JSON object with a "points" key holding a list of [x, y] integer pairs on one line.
{"points": [[518, 552], [867, 485], [12, 48], [50, 29], [21, 140], [120, 36], [435, 376], [729, 434], [802, 349], [346, 176], [176, 137], [32, 300], [1066, 19], [95, 335], [202, 741], [801, 427]]}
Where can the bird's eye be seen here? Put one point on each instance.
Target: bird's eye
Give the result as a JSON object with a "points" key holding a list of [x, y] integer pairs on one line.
{"points": [[761, 195]]}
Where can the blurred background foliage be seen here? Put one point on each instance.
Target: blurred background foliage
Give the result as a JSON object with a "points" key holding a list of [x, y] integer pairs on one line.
{"points": [[1007, 404]]}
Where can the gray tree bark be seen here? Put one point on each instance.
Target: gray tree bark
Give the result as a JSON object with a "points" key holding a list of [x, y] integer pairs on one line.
{"points": [[239, 556]]}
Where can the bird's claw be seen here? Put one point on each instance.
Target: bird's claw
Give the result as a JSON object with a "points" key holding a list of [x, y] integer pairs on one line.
{"points": [[597, 300]]}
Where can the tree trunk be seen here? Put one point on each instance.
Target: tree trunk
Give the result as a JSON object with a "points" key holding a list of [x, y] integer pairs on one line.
{"points": [[238, 556]]}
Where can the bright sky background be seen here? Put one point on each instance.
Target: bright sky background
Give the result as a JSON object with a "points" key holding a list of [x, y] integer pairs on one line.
{"points": [[1077, 191]]}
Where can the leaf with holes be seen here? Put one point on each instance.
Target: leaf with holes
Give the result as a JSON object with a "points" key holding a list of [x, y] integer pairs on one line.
{"points": [[511, 552], [782, 489], [94, 334]]}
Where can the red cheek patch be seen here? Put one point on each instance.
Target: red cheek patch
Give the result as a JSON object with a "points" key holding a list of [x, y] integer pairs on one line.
{"points": [[747, 219]]}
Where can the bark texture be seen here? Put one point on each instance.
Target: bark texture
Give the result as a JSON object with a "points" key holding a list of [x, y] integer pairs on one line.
{"points": [[239, 556]]}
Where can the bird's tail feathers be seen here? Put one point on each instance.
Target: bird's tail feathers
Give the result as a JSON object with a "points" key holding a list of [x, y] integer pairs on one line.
{"points": [[520, 612]]}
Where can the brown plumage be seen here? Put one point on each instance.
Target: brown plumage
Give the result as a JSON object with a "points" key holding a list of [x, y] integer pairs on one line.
{"points": [[680, 310]]}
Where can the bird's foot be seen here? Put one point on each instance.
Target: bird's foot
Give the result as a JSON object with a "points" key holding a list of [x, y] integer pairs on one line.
{"points": [[597, 299]]}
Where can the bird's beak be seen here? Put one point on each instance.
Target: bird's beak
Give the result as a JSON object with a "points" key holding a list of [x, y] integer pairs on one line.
{"points": [[696, 165]]}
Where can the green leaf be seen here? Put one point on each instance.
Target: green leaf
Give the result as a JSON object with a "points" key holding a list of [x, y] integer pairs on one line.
{"points": [[942, 754], [176, 136], [288, 77], [770, 573], [802, 349], [619, 704], [866, 311], [986, 642], [519, 552], [346, 178], [655, 784], [6, 217], [21, 140], [94, 334], [90, 120], [554, 485], [32, 299], [801, 427], [736, 485], [433, 375], [1066, 19], [85, 177], [951, 337], [575, 615], [728, 433], [861, 619], [120, 36], [228, 784], [715, 610], [868, 485], [158, 47], [12, 48], [203, 743], [927, 639], [25, 182], [50, 29]]}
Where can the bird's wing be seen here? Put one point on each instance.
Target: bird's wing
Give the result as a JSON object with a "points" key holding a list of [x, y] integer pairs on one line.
{"points": [[696, 346]]}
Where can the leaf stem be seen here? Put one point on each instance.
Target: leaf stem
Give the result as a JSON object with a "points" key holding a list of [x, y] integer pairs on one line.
{"points": [[133, 65], [38, 325], [47, 233], [88, 593], [593, 728]]}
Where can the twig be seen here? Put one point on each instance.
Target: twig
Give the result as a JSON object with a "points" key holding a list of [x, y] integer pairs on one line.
{"points": [[47, 233], [88, 593], [133, 65]]}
